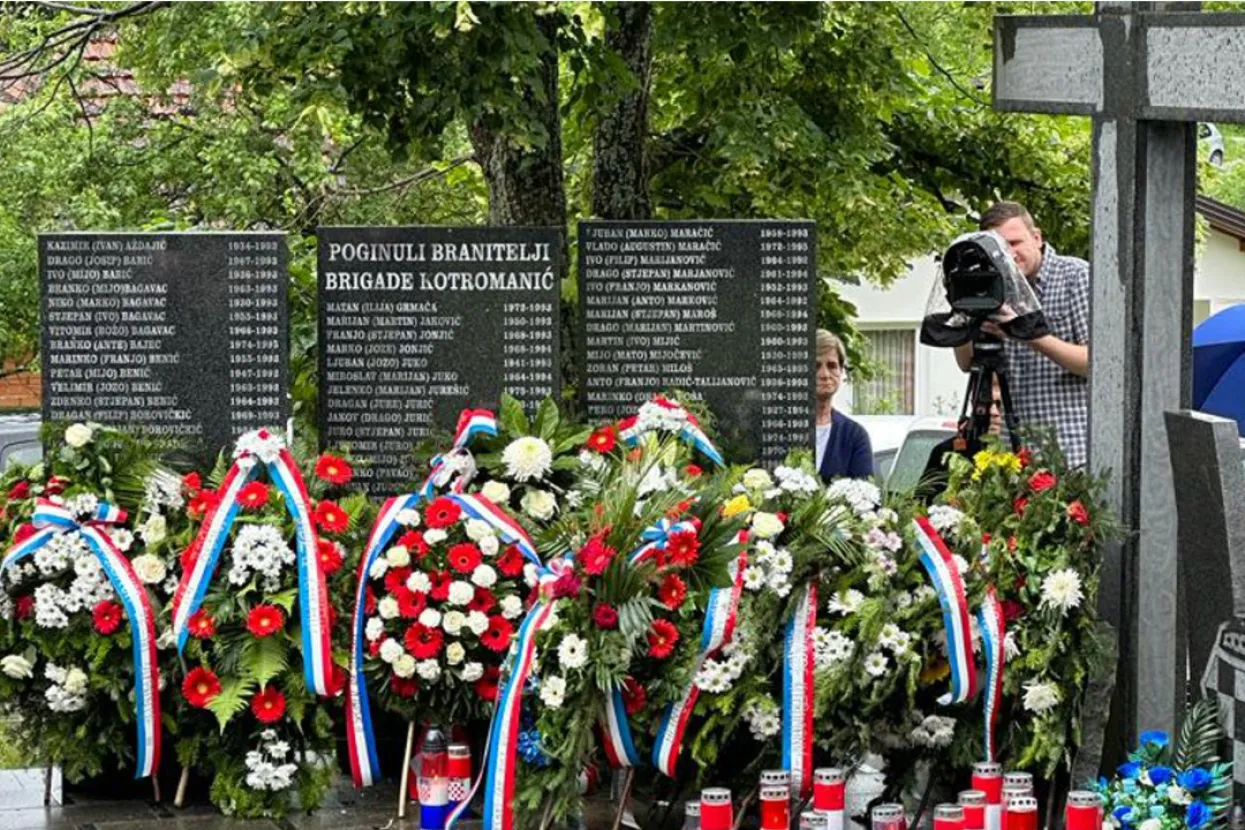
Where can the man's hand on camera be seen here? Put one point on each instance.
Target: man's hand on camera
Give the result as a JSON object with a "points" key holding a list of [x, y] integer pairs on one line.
{"points": [[994, 326]]}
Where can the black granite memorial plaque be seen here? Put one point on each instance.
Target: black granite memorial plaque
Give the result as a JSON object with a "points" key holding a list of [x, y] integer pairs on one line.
{"points": [[720, 309], [181, 336], [417, 324]]}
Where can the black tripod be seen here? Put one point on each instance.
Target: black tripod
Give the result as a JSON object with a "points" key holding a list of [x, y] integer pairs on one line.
{"points": [[987, 364]]}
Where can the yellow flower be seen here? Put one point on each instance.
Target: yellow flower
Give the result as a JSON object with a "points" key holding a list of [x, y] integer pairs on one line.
{"points": [[1008, 461], [981, 463], [736, 506], [935, 670]]}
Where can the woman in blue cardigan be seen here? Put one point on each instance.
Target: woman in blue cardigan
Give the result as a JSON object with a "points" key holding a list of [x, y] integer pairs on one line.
{"points": [[843, 449]]}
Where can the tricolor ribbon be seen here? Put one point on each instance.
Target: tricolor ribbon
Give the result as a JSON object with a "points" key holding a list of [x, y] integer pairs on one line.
{"points": [[313, 601], [797, 693], [993, 630], [51, 519], [631, 432], [360, 738], [656, 538], [457, 464], [945, 576], [719, 626], [500, 755]]}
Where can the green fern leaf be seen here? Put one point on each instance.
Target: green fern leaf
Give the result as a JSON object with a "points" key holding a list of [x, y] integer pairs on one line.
{"points": [[232, 699], [263, 658]]}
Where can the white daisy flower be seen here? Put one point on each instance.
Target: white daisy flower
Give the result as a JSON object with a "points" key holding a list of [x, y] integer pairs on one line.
{"points": [[552, 691], [573, 652], [876, 664]]}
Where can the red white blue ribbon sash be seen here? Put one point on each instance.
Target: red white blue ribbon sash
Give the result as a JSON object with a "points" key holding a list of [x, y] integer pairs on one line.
{"points": [[52, 519], [458, 460], [360, 738], [503, 524], [797, 693], [655, 538], [719, 626], [313, 599], [993, 630], [945, 576], [690, 432]]}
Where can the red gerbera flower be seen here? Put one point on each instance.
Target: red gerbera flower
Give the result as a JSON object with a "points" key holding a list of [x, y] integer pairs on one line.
{"points": [[331, 518], [201, 625], [595, 556], [192, 482], [1078, 513], [25, 606], [603, 440], [268, 705], [692, 470], [486, 686], [682, 549], [511, 561], [497, 636], [200, 686], [464, 557], [20, 490], [662, 637], [403, 686], [331, 558], [604, 616], [441, 513], [440, 585], [1041, 481], [423, 642], [201, 503], [411, 603], [332, 469], [396, 578], [672, 592], [107, 617], [634, 696], [253, 496], [264, 620], [483, 601], [413, 541]]}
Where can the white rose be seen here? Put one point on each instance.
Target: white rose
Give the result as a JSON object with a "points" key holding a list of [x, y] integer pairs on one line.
{"points": [[461, 592], [453, 621], [454, 653], [539, 504], [391, 650], [428, 669], [472, 672], [757, 479], [75, 681], [78, 435], [387, 608], [430, 617], [530, 574], [496, 492], [477, 530], [154, 530], [375, 628], [419, 582], [1150, 824], [379, 568], [404, 666], [435, 536], [511, 607], [484, 576], [489, 546], [149, 569], [398, 557], [477, 622], [17, 667], [408, 518], [766, 525]]}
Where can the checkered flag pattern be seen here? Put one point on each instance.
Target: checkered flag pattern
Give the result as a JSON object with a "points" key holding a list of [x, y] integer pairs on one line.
{"points": [[1225, 678]]}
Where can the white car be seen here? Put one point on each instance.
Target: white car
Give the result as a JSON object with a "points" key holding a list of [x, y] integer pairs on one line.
{"points": [[1209, 135], [909, 464], [886, 435]]}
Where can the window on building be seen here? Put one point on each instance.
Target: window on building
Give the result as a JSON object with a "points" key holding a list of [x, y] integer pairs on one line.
{"points": [[893, 390]]}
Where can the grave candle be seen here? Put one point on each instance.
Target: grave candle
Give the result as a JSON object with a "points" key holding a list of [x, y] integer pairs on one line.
{"points": [[775, 807], [1021, 813], [988, 778], [948, 817], [889, 817], [828, 795], [716, 812], [1083, 811], [974, 804]]}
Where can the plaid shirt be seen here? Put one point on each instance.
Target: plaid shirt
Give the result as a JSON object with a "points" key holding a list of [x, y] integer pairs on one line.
{"points": [[1044, 394]]}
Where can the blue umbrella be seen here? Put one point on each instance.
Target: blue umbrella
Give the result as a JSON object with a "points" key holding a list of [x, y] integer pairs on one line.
{"points": [[1219, 365]]}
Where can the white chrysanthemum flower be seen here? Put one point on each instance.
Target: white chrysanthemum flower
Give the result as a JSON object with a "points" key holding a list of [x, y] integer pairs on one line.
{"points": [[757, 479], [428, 670], [1040, 697], [454, 653], [418, 582], [453, 622], [374, 629], [48, 611], [430, 617], [477, 622], [391, 650], [573, 652], [527, 459], [496, 492], [472, 672], [511, 606], [1061, 590], [484, 576], [552, 691], [754, 578], [461, 593], [78, 435], [398, 556], [845, 602], [435, 536], [539, 504], [155, 530], [380, 566], [261, 444], [404, 665], [150, 569], [489, 546], [477, 530], [387, 607], [876, 664], [766, 525], [1010, 650], [161, 489]]}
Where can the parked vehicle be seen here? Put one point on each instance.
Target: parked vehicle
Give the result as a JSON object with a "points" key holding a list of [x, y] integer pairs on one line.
{"points": [[19, 440], [1208, 136], [886, 434]]}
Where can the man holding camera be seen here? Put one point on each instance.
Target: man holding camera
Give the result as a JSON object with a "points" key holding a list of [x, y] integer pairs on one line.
{"points": [[1047, 375]]}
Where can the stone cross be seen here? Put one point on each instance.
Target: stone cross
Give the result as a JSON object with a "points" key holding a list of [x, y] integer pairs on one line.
{"points": [[1145, 76]]}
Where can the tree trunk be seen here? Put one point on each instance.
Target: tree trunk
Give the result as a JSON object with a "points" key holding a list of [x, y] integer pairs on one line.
{"points": [[525, 186], [620, 170]]}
